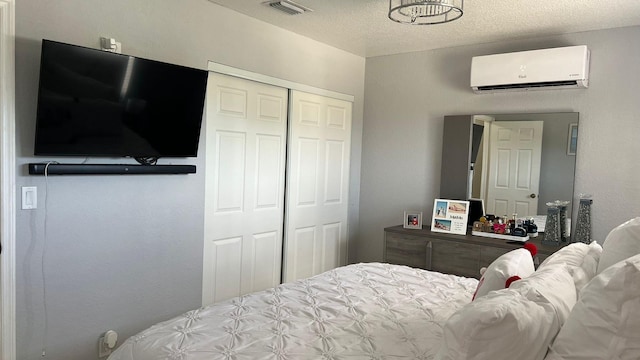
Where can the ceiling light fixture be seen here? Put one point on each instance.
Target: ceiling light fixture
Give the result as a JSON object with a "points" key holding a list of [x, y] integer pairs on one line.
{"points": [[425, 12], [288, 7]]}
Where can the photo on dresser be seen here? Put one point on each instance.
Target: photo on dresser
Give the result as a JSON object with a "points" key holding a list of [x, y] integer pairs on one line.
{"points": [[412, 220], [450, 216]]}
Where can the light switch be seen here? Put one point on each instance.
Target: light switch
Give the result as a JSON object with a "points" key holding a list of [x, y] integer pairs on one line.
{"points": [[29, 197]]}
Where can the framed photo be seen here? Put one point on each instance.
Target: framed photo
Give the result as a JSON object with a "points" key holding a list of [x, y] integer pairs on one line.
{"points": [[412, 220], [572, 139], [450, 216]]}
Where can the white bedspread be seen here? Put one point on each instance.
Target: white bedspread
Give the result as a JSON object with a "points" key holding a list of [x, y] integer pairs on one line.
{"points": [[361, 311]]}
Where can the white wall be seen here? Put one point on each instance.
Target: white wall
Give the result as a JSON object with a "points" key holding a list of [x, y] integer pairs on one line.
{"points": [[123, 252], [408, 95]]}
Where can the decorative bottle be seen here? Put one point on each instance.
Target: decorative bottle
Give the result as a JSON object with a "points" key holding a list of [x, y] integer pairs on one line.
{"points": [[552, 235], [583, 225], [564, 226]]}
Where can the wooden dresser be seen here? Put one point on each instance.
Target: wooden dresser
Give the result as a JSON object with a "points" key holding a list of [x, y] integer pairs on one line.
{"points": [[462, 255]]}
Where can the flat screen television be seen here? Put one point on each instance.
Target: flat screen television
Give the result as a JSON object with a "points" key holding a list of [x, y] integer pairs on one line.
{"points": [[95, 103]]}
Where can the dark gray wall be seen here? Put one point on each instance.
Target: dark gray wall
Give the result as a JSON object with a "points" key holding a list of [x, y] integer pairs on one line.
{"points": [[123, 252]]}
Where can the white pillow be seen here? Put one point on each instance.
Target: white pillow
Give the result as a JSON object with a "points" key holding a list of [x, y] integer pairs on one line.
{"points": [[605, 322], [621, 243], [581, 259], [517, 262], [553, 285], [572, 255], [501, 325], [588, 270]]}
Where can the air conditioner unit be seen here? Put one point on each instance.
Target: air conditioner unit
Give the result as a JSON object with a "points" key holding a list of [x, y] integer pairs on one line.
{"points": [[556, 68]]}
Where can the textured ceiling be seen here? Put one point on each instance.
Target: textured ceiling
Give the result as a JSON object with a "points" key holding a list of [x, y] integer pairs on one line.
{"points": [[362, 27]]}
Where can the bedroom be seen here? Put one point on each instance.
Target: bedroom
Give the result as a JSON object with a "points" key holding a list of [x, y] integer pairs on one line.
{"points": [[124, 252]]}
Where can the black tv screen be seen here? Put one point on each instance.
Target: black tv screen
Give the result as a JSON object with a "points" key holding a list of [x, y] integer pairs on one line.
{"points": [[98, 103]]}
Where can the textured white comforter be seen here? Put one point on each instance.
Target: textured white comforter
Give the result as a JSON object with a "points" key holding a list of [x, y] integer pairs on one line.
{"points": [[361, 311]]}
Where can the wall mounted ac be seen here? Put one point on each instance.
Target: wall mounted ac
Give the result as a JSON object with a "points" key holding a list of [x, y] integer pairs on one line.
{"points": [[555, 68]]}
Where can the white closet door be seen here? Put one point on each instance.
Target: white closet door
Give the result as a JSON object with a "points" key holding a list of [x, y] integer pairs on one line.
{"points": [[244, 191], [317, 185]]}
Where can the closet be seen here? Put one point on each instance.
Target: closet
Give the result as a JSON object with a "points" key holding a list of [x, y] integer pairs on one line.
{"points": [[276, 185]]}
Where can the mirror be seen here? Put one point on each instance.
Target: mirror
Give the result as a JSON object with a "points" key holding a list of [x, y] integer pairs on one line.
{"points": [[516, 163]]}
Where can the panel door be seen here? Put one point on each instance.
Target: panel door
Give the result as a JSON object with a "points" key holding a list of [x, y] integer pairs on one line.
{"points": [[514, 173], [244, 191], [317, 185]]}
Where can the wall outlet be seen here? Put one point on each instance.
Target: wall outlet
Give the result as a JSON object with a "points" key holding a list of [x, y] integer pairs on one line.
{"points": [[106, 343], [103, 349]]}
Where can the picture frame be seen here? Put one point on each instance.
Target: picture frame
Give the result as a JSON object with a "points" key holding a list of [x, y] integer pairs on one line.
{"points": [[572, 139], [412, 220], [450, 216]]}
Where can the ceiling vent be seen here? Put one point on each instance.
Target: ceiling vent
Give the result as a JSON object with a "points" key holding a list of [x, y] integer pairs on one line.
{"points": [[288, 7]]}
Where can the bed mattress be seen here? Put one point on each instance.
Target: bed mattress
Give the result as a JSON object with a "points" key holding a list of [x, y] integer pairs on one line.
{"points": [[360, 311]]}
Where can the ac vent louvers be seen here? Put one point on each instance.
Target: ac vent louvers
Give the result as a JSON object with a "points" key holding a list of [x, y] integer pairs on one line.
{"points": [[549, 84], [288, 7]]}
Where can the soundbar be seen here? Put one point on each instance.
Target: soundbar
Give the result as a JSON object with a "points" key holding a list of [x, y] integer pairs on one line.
{"points": [[108, 169]]}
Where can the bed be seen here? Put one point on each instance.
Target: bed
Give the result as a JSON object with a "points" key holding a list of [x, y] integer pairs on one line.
{"points": [[359, 311], [580, 303]]}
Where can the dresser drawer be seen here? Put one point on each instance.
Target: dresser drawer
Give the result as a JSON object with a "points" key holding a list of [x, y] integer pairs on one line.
{"points": [[489, 254], [456, 258], [407, 250]]}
